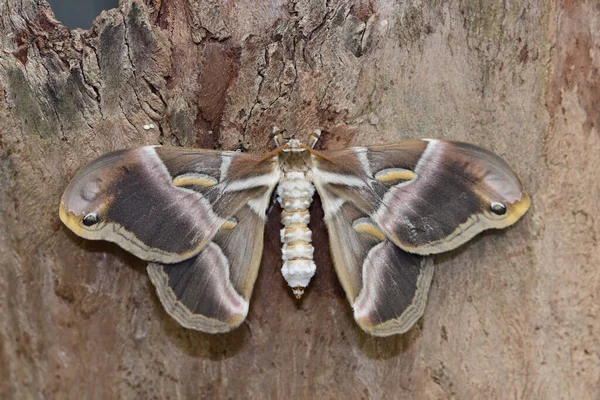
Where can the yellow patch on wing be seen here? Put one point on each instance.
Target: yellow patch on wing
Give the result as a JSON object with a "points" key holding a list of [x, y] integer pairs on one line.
{"points": [[518, 209], [368, 228], [72, 221], [394, 175], [194, 179], [228, 225]]}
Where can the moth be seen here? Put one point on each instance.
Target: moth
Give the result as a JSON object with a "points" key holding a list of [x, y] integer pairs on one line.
{"points": [[197, 216]]}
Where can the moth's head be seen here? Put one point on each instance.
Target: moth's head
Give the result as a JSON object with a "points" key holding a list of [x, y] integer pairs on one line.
{"points": [[84, 203], [292, 143]]}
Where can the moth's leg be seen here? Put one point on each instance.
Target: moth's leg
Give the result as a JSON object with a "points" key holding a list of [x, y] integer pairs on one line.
{"points": [[277, 134], [314, 138]]}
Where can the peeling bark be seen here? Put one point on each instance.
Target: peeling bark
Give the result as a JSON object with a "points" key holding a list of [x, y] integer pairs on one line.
{"points": [[512, 314]]}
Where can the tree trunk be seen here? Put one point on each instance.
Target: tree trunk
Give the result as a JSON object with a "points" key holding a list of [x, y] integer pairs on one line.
{"points": [[513, 314]]}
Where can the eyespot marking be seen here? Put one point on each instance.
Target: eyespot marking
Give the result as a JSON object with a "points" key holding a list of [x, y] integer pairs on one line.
{"points": [[498, 208], [90, 219]]}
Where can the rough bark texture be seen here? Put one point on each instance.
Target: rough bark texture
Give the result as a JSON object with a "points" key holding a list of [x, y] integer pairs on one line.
{"points": [[513, 314]]}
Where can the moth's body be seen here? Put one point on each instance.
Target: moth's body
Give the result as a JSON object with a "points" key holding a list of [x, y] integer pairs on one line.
{"points": [[295, 193], [198, 216]]}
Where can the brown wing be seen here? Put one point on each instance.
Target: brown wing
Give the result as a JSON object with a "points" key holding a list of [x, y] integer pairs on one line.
{"points": [[210, 292], [383, 203], [197, 215], [164, 204], [428, 196], [386, 286]]}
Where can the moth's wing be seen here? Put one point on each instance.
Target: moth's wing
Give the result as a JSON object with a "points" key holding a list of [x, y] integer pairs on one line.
{"points": [[428, 196], [384, 205], [386, 286], [165, 204], [210, 292], [199, 213]]}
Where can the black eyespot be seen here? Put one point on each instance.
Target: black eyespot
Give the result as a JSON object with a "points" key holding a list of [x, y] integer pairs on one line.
{"points": [[91, 219], [498, 208]]}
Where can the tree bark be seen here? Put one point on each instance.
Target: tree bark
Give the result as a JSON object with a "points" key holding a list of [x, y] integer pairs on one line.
{"points": [[513, 314]]}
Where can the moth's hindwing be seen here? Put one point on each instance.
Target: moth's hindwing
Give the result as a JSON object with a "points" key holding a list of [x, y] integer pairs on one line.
{"points": [[198, 216], [383, 203], [211, 291], [386, 286]]}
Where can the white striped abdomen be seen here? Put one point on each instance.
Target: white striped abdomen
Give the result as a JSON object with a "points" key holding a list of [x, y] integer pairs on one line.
{"points": [[295, 193]]}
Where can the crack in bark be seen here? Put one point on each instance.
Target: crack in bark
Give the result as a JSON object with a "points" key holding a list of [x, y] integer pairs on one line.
{"points": [[133, 72], [156, 92], [133, 85], [93, 52], [53, 104], [261, 74]]}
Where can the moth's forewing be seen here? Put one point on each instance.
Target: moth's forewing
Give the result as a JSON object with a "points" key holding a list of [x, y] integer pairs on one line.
{"points": [[128, 197], [431, 196]]}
